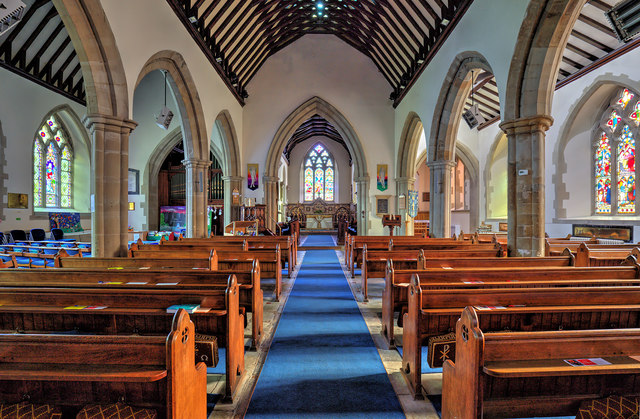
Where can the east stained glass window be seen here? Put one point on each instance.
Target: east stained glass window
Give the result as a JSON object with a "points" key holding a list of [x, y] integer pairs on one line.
{"points": [[319, 175], [52, 167], [615, 157]]}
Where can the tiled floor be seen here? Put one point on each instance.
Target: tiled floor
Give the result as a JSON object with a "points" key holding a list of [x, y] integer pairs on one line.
{"points": [[371, 313]]}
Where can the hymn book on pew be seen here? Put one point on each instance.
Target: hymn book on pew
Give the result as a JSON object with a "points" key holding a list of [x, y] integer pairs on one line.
{"points": [[189, 308]]}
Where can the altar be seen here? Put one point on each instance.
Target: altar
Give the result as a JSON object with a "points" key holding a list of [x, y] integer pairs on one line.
{"points": [[320, 221]]}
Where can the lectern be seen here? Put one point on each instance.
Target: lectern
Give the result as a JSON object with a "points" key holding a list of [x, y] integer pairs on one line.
{"points": [[391, 221]]}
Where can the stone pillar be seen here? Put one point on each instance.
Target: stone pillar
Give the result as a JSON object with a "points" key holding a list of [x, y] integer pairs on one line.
{"points": [[440, 193], [525, 172], [197, 184], [271, 200], [403, 185], [109, 183], [362, 186], [231, 210]]}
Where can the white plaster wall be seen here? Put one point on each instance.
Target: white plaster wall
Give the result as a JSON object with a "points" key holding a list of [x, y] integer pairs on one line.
{"points": [[576, 110], [496, 183], [497, 45], [323, 66], [24, 106], [144, 27], [342, 175], [147, 102]]}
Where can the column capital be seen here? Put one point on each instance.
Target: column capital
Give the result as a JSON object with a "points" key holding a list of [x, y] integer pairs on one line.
{"points": [[270, 179], [196, 163], [527, 125], [362, 179], [108, 123], [232, 178], [405, 179], [441, 164]]}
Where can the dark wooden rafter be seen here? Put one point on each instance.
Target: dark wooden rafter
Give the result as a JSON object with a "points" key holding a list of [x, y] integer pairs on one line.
{"points": [[239, 36], [34, 47], [316, 126]]}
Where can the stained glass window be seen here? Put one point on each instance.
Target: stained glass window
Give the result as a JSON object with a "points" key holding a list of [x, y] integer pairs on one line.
{"points": [[626, 152], [603, 176], [37, 173], [319, 175], [308, 184], [328, 188], [625, 97], [52, 167], [615, 157], [613, 121]]}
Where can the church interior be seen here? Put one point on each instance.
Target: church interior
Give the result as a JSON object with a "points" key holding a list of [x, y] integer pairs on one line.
{"points": [[337, 208]]}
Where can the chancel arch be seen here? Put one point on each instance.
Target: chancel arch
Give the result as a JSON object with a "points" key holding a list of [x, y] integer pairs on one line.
{"points": [[303, 114], [458, 84], [195, 139]]}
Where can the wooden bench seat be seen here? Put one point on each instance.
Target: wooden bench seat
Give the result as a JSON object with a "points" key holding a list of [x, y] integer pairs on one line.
{"points": [[72, 371], [433, 312], [126, 310], [556, 249], [90, 271], [374, 264], [587, 255], [491, 366]]}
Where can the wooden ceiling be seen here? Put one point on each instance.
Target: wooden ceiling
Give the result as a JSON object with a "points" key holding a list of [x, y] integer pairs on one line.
{"points": [[40, 49], [399, 36], [316, 126], [591, 42]]}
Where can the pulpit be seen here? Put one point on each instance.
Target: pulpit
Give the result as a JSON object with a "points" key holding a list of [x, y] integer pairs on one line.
{"points": [[391, 221]]}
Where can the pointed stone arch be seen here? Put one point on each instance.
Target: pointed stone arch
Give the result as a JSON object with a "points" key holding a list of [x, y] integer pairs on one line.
{"points": [[531, 84], [472, 166], [194, 134], [231, 164], [107, 120], [317, 106], [406, 164], [441, 145]]}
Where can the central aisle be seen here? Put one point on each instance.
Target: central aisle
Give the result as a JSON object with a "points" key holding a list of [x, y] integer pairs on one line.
{"points": [[322, 361]]}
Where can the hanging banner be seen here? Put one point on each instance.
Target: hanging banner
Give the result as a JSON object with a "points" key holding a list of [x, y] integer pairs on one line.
{"points": [[382, 177], [252, 176], [413, 203]]}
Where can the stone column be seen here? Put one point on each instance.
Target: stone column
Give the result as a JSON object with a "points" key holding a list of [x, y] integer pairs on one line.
{"points": [[109, 183], [362, 186], [271, 200], [231, 210], [197, 184], [440, 193], [525, 172], [403, 185]]}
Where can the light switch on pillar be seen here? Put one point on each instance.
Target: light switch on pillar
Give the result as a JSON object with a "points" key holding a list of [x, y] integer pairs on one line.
{"points": [[526, 165], [109, 183], [440, 193], [197, 185]]}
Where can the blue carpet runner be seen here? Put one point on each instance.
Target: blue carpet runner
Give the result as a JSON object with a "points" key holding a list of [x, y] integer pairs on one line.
{"points": [[322, 361], [318, 240]]}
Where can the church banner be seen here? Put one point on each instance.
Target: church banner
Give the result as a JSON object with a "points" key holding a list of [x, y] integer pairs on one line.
{"points": [[413, 203], [252, 176], [382, 177]]}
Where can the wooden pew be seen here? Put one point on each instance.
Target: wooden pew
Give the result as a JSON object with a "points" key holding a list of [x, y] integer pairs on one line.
{"points": [[433, 312], [374, 264], [587, 255], [251, 295], [490, 367], [270, 261], [72, 371], [555, 249], [124, 309], [394, 294], [288, 244]]}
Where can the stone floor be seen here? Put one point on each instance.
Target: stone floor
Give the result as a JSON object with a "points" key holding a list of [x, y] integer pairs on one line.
{"points": [[371, 312]]}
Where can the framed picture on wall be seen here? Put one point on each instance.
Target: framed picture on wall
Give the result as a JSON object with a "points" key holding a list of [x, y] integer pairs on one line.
{"points": [[382, 205], [134, 182], [425, 196]]}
